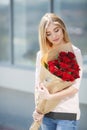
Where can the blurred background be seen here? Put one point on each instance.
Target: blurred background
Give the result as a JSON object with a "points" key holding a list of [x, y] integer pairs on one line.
{"points": [[19, 20]]}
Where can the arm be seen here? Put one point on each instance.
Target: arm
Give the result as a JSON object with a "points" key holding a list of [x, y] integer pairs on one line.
{"points": [[70, 91], [38, 57], [37, 116]]}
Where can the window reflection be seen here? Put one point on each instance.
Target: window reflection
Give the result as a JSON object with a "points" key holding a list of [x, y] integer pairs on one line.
{"points": [[74, 15], [26, 18], [27, 15], [4, 31]]}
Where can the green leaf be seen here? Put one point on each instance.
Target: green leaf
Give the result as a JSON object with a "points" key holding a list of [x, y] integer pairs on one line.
{"points": [[46, 66]]}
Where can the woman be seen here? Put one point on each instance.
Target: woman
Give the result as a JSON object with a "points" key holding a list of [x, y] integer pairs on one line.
{"points": [[65, 116]]}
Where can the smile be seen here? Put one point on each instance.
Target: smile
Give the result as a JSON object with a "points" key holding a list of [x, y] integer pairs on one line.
{"points": [[56, 39]]}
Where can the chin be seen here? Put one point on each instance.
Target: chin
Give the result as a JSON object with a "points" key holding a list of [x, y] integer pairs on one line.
{"points": [[57, 43]]}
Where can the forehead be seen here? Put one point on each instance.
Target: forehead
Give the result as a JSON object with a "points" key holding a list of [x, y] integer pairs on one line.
{"points": [[52, 26]]}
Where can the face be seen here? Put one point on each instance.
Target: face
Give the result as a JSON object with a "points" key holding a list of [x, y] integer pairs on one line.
{"points": [[54, 34]]}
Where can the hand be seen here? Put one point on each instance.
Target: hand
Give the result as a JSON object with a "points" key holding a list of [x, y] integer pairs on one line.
{"points": [[43, 92], [37, 116]]}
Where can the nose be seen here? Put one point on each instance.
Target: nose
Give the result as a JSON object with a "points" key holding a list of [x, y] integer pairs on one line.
{"points": [[53, 35]]}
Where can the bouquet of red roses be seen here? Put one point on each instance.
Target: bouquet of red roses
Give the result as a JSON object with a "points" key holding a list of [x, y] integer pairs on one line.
{"points": [[59, 70], [64, 66]]}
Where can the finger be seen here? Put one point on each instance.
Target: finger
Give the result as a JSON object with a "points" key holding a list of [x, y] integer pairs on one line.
{"points": [[40, 91], [45, 89], [41, 85]]}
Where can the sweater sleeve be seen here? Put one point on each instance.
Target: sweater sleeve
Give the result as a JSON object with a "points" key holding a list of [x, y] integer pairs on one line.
{"points": [[78, 54], [37, 71]]}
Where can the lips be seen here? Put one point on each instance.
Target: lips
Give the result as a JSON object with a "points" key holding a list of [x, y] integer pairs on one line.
{"points": [[56, 39]]}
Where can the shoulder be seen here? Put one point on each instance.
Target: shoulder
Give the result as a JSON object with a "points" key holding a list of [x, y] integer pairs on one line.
{"points": [[78, 53], [38, 54], [76, 49]]}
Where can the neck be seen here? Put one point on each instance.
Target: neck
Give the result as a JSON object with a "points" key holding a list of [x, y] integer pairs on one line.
{"points": [[59, 45]]}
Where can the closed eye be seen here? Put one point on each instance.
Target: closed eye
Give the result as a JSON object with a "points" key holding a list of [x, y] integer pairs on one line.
{"points": [[48, 34], [56, 29]]}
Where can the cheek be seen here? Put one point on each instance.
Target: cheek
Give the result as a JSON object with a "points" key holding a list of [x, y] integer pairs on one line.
{"points": [[61, 35], [49, 39], [60, 32]]}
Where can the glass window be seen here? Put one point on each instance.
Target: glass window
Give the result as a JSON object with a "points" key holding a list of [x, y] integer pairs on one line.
{"points": [[5, 50], [27, 15], [74, 14]]}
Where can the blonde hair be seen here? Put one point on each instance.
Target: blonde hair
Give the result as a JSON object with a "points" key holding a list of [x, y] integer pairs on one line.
{"points": [[46, 19]]}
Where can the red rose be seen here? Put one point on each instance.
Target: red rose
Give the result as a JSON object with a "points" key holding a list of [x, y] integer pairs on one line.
{"points": [[67, 77], [53, 69], [58, 73], [63, 66], [76, 67], [61, 54], [75, 74], [71, 55]]}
